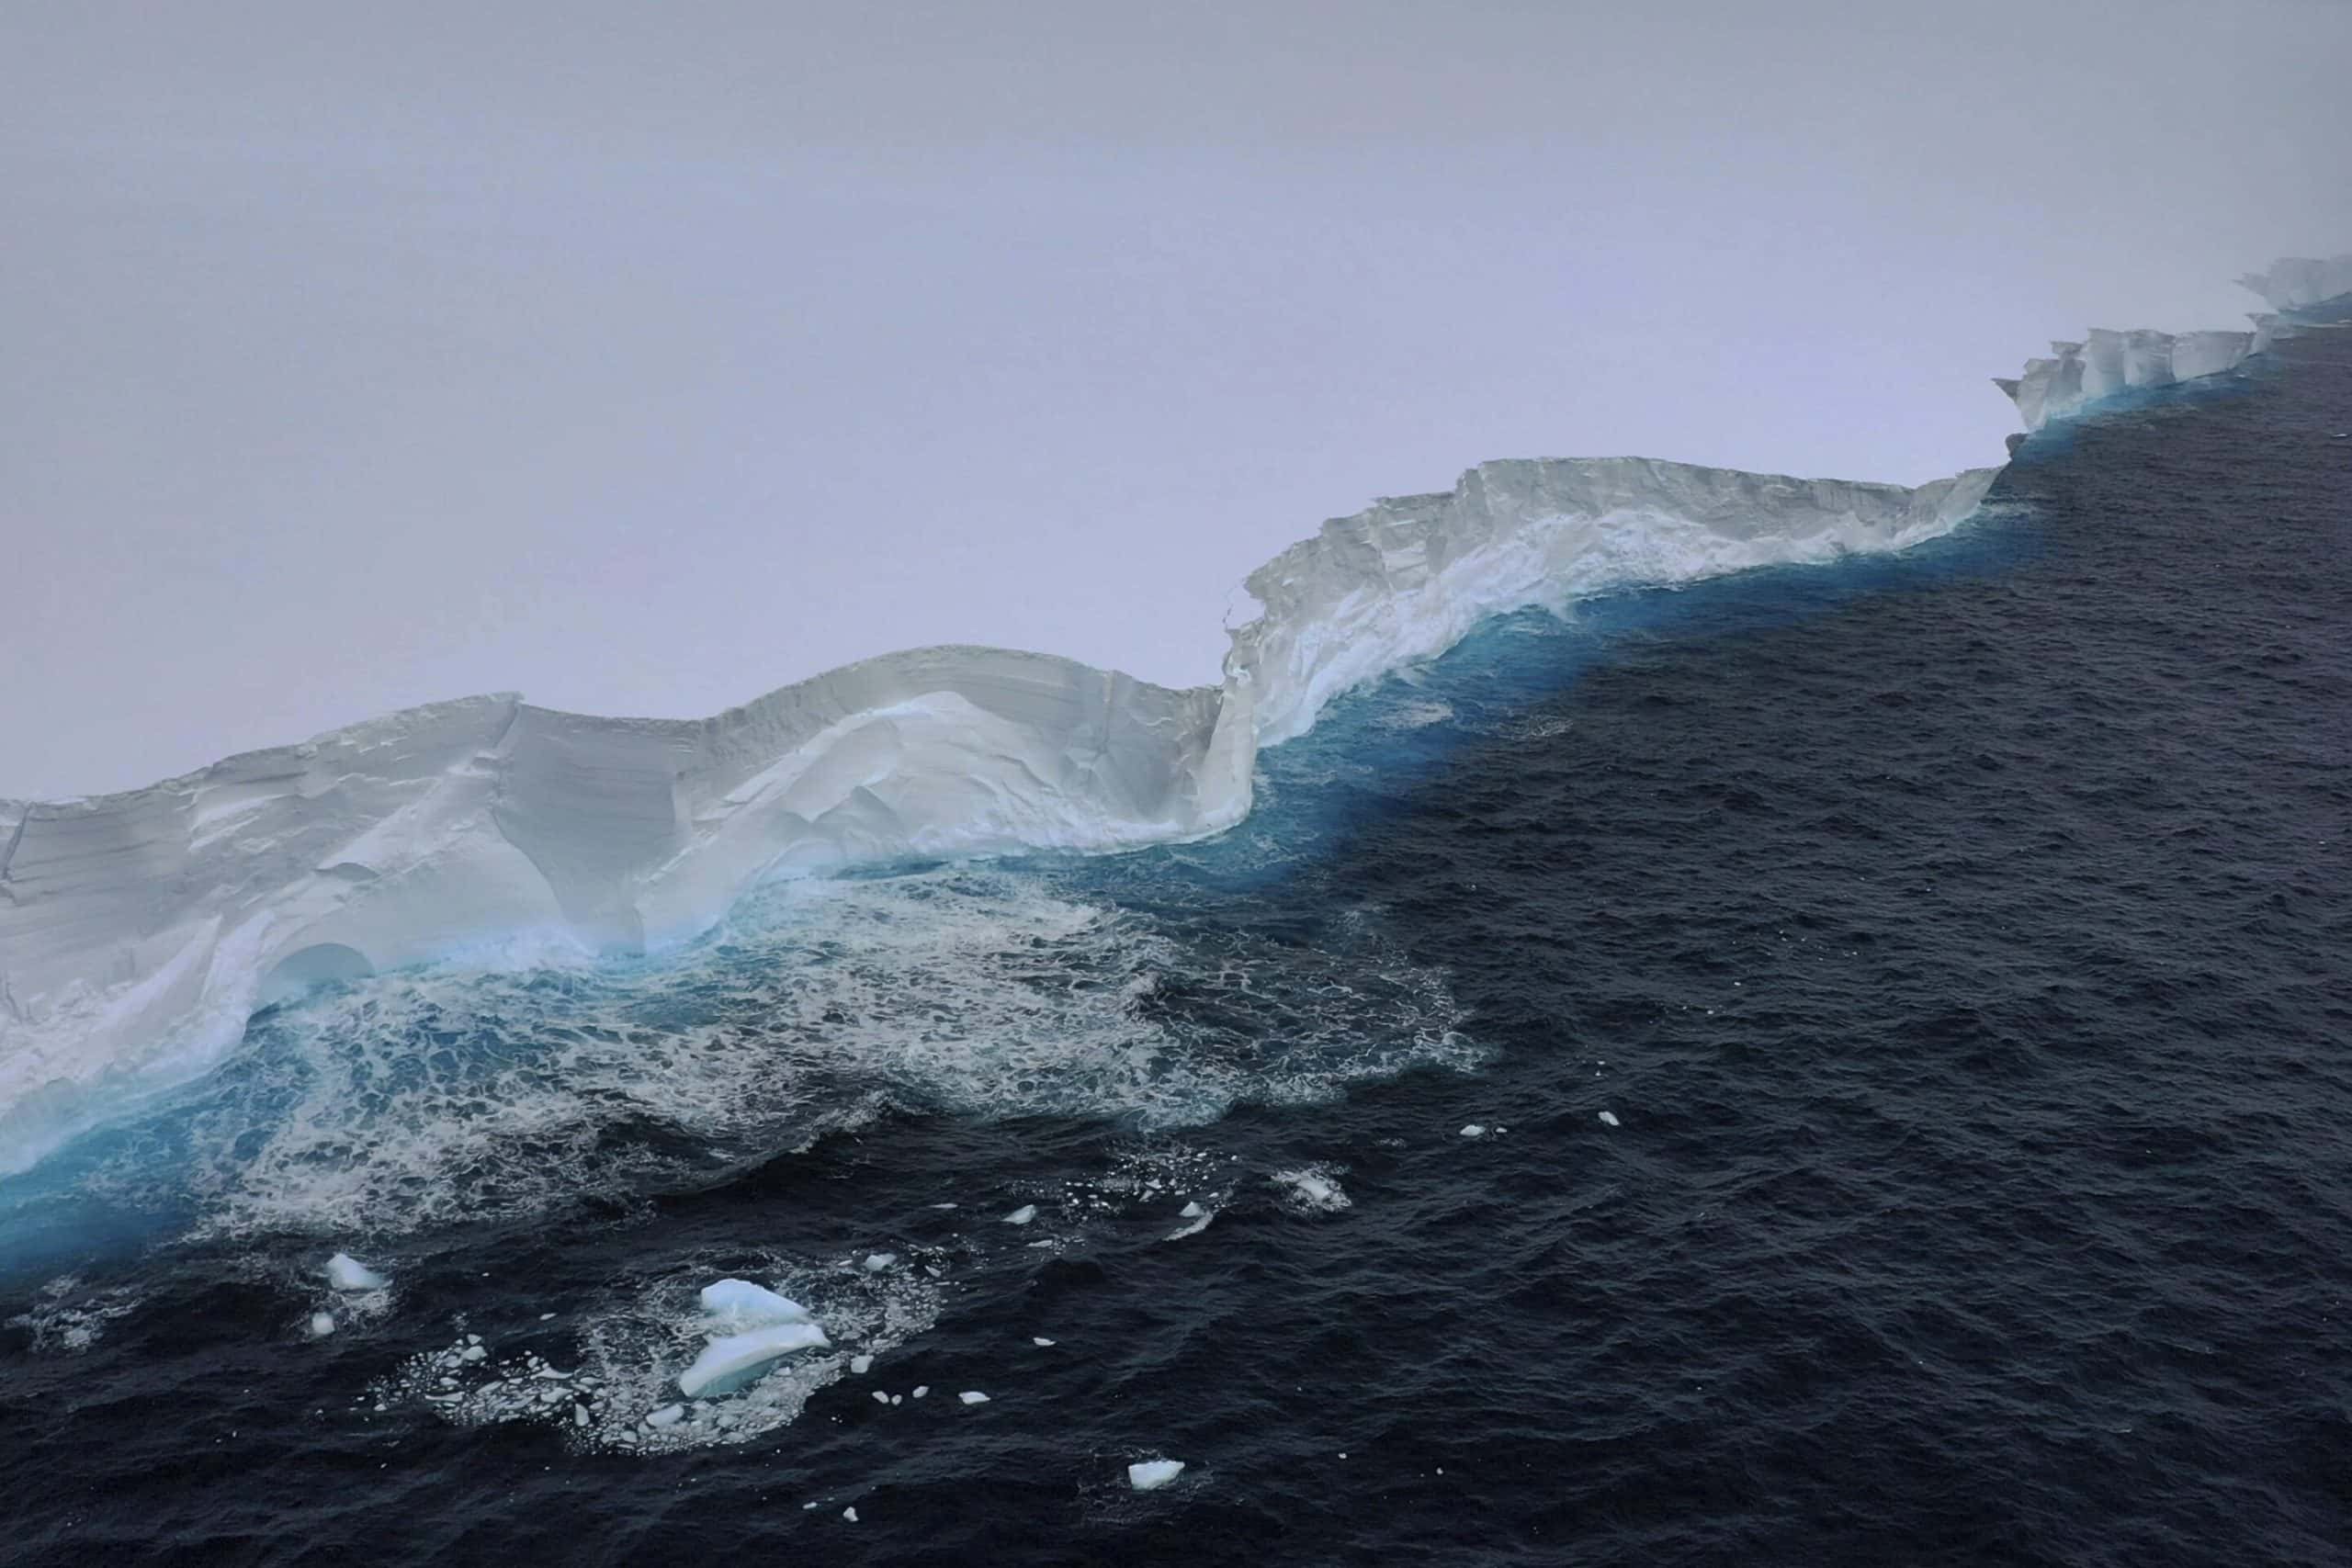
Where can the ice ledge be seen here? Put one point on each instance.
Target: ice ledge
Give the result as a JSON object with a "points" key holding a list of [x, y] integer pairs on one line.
{"points": [[2107, 363]]}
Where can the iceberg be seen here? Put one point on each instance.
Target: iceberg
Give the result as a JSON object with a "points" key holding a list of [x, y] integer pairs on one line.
{"points": [[739, 1304], [2076, 376], [729, 1363], [1152, 1474], [2297, 283], [346, 1272], [140, 930]]}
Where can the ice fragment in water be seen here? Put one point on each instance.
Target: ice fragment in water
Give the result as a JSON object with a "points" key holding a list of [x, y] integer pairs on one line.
{"points": [[881, 1398], [877, 1261], [1154, 1473], [1190, 1211], [322, 1325], [850, 1514], [973, 1396], [729, 1363], [858, 1364], [1021, 1215], [346, 1272], [922, 1389], [739, 1304], [668, 1416], [1610, 1117], [1473, 1131], [1039, 1339]]}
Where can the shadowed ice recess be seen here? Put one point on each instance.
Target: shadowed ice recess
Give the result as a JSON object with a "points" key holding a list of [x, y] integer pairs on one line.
{"points": [[139, 931]]}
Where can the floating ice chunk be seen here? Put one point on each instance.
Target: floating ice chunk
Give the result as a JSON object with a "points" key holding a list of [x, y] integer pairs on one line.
{"points": [[1473, 1131], [922, 1389], [1312, 1187], [729, 1363], [858, 1365], [346, 1272], [1191, 1212], [881, 1397], [322, 1325], [1152, 1474], [739, 1304], [668, 1416], [1610, 1117], [877, 1261], [898, 1399], [850, 1513], [1021, 1215], [1040, 1340], [973, 1396]]}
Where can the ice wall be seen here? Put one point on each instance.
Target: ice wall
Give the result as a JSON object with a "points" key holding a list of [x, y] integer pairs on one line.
{"points": [[2297, 283], [2078, 375], [1409, 577], [138, 931]]}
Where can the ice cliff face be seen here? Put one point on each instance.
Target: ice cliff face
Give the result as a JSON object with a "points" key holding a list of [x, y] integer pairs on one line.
{"points": [[2078, 374], [1409, 577], [2297, 283], [138, 931]]}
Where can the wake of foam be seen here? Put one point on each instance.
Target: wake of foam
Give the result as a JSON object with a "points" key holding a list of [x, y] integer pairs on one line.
{"points": [[412, 1100]]}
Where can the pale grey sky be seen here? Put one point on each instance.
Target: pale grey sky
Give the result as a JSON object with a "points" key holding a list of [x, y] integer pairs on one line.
{"points": [[643, 358]]}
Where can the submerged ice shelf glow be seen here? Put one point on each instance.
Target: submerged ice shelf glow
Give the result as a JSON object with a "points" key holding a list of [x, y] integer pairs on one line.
{"points": [[139, 931]]}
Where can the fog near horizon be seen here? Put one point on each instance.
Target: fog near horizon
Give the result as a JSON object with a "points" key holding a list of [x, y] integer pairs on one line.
{"points": [[644, 360]]}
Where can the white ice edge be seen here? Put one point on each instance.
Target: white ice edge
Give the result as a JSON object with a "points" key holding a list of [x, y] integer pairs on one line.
{"points": [[139, 931], [2079, 375]]}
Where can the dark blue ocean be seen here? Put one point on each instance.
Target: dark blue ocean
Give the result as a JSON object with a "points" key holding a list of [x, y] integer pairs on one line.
{"points": [[1835, 1065]]}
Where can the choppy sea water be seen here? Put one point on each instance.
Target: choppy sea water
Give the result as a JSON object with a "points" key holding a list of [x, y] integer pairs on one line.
{"points": [[1958, 946]]}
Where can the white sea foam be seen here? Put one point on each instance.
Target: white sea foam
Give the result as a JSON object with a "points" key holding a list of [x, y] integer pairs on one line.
{"points": [[618, 1388], [980, 990]]}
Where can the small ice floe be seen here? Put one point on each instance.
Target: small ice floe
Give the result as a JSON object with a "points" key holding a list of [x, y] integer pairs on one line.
{"points": [[322, 1325], [668, 1416], [1609, 1118], [860, 1365], [734, 1360], [1473, 1131], [1191, 1212], [1021, 1215], [1152, 1474], [1313, 1186], [346, 1272], [850, 1513], [877, 1261], [1040, 1341], [881, 1397], [973, 1396], [739, 1304]]}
